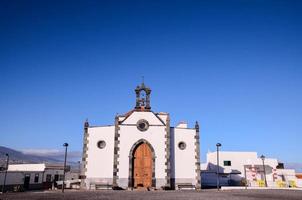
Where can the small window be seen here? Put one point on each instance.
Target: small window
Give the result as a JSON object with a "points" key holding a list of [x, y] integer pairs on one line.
{"points": [[182, 145], [101, 144], [227, 163], [36, 178], [48, 177], [61, 177]]}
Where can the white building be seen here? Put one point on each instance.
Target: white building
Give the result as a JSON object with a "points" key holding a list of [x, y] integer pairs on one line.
{"points": [[235, 167], [33, 176], [141, 149]]}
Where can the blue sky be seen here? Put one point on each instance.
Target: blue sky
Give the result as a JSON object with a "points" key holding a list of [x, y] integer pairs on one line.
{"points": [[235, 66]]}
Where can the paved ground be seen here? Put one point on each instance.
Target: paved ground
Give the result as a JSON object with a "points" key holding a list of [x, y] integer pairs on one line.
{"points": [[159, 195]]}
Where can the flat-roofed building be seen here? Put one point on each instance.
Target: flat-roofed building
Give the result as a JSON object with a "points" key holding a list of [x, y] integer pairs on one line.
{"points": [[237, 168]]}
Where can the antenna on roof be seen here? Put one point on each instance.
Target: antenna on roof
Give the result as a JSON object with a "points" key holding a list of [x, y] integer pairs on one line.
{"points": [[143, 79]]}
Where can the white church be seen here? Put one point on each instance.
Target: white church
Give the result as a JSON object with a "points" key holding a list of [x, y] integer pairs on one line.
{"points": [[141, 150]]}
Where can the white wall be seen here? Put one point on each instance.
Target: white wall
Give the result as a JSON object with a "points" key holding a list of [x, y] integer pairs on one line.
{"points": [[17, 177], [184, 164], [12, 178], [100, 161], [241, 160], [163, 116], [149, 116], [129, 135], [17, 172], [238, 160], [53, 172]]}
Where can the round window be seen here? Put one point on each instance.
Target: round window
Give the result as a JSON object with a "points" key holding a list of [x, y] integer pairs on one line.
{"points": [[142, 125], [182, 145], [101, 144]]}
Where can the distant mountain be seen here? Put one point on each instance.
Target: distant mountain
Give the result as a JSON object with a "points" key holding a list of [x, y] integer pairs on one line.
{"points": [[19, 157]]}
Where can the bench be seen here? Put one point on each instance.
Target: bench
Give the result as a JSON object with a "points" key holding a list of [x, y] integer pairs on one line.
{"points": [[185, 186], [100, 186]]}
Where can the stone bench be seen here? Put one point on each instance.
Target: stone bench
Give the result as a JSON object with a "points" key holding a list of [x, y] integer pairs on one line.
{"points": [[100, 186], [185, 186]]}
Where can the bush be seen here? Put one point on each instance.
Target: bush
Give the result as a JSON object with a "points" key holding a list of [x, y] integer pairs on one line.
{"points": [[261, 183], [292, 184], [281, 184]]}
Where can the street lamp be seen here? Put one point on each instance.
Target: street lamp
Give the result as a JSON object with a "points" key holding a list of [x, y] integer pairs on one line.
{"points": [[218, 145], [7, 160], [262, 158], [64, 145], [79, 162]]}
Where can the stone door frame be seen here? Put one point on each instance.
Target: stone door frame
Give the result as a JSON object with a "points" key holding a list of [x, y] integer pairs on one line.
{"points": [[131, 162]]}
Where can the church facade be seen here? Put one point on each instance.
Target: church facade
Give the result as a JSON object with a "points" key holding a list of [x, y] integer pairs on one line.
{"points": [[141, 150]]}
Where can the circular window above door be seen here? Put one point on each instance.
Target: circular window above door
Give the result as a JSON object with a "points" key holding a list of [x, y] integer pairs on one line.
{"points": [[142, 125]]}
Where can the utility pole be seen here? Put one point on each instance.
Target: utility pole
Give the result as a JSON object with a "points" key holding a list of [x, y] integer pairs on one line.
{"points": [[63, 186], [263, 158], [4, 182], [218, 145]]}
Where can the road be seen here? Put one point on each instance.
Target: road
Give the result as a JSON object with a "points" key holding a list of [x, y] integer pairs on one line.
{"points": [[158, 195]]}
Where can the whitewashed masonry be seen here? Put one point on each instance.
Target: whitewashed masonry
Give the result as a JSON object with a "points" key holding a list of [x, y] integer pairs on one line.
{"points": [[108, 151]]}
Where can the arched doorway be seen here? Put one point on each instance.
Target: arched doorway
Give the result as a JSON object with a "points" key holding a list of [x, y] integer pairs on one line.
{"points": [[142, 165]]}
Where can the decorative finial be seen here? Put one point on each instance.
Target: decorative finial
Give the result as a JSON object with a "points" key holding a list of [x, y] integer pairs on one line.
{"points": [[86, 124], [197, 126], [143, 82]]}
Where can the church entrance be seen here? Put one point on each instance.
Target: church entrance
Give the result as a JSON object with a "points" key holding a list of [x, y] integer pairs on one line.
{"points": [[142, 166]]}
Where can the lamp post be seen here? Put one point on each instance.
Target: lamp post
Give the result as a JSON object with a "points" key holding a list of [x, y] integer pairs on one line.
{"points": [[7, 160], [217, 146], [79, 162], [262, 158], [65, 145]]}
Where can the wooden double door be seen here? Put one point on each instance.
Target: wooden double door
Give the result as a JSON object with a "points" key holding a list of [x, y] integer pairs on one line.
{"points": [[142, 169]]}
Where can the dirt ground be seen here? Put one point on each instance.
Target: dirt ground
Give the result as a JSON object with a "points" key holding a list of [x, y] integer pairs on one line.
{"points": [[160, 195]]}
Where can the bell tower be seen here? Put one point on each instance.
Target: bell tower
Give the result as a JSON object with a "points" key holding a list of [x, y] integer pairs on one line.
{"points": [[142, 97]]}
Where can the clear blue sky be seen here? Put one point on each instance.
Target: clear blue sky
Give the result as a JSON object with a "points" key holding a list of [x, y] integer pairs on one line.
{"points": [[235, 66]]}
